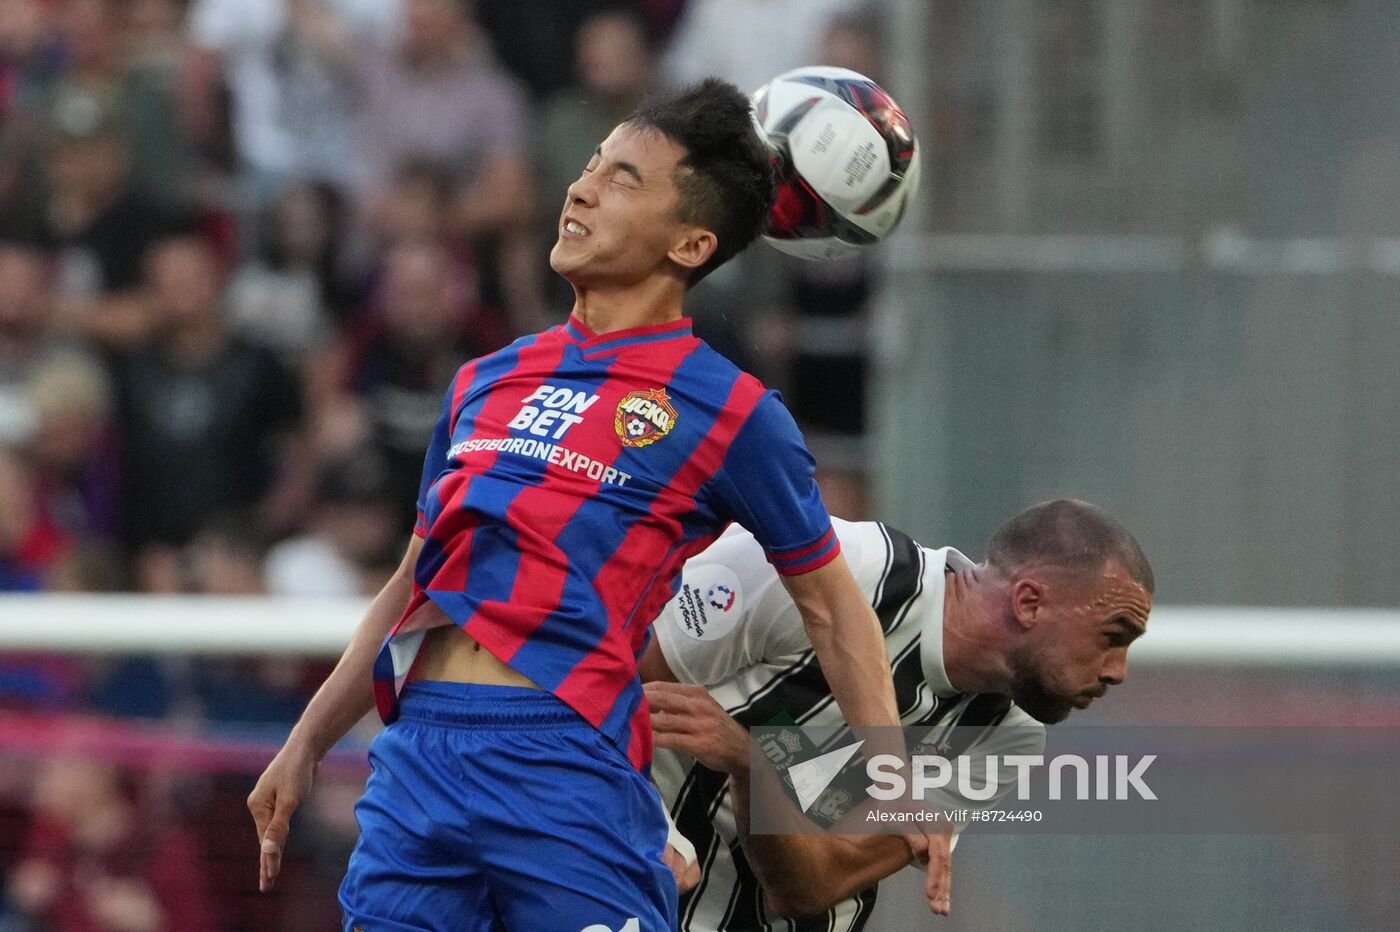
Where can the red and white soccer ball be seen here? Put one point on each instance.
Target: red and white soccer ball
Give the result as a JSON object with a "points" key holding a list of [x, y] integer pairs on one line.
{"points": [[847, 157]]}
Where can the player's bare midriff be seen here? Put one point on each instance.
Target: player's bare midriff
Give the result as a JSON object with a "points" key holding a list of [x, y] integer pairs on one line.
{"points": [[451, 655]]}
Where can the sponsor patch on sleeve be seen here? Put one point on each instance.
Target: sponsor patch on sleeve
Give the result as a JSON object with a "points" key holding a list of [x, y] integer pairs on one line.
{"points": [[709, 602]]}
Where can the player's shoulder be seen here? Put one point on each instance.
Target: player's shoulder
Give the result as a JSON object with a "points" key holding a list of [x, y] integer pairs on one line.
{"points": [[509, 353], [864, 542], [708, 369]]}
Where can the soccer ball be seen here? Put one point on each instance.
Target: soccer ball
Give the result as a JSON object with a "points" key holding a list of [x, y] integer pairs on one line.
{"points": [[846, 156]]}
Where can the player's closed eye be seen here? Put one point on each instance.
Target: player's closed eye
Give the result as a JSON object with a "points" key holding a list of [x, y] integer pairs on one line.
{"points": [[1121, 635]]}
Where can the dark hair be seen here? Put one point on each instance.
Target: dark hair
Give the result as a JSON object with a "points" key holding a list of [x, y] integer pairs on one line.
{"points": [[1070, 534], [726, 180]]}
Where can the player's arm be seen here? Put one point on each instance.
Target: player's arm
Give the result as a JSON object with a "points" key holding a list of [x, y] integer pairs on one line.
{"points": [[344, 698], [802, 873], [846, 635], [347, 695], [768, 484], [806, 874]]}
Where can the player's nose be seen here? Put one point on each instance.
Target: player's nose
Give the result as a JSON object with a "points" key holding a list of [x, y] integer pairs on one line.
{"points": [[1115, 672], [582, 191]]}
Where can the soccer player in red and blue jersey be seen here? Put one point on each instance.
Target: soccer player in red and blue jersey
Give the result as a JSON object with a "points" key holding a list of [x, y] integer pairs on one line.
{"points": [[568, 479]]}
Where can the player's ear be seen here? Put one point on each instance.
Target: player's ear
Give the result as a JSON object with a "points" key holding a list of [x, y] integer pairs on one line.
{"points": [[698, 245], [1027, 601]]}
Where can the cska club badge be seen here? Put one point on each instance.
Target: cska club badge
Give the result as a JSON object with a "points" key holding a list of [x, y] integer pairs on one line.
{"points": [[643, 417]]}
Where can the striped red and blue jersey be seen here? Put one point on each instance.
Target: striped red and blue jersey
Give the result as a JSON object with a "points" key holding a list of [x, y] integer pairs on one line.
{"points": [[569, 477]]}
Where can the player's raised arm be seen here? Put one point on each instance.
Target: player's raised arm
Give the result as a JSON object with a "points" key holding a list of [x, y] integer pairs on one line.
{"points": [[768, 484], [846, 636], [806, 874], [802, 873], [344, 698]]}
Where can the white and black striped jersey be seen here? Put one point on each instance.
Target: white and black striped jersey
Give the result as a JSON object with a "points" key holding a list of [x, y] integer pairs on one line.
{"points": [[733, 628]]}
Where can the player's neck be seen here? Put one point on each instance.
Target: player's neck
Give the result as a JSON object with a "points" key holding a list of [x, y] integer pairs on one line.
{"points": [[603, 309], [975, 643]]}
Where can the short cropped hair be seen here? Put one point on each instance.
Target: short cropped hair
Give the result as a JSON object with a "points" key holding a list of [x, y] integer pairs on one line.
{"points": [[726, 179], [1069, 534]]}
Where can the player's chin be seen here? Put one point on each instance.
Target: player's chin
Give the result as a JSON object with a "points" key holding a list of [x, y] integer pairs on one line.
{"points": [[559, 259], [568, 259], [1051, 711]]}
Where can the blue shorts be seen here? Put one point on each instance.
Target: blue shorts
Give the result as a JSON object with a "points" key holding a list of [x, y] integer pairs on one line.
{"points": [[499, 808]]}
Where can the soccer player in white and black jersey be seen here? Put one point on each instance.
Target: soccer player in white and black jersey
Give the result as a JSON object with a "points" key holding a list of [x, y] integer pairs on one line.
{"points": [[1038, 629]]}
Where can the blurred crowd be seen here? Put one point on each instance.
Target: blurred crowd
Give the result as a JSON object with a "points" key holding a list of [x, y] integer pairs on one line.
{"points": [[244, 245]]}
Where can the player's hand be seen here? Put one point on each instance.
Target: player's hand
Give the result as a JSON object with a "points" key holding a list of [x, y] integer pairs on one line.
{"points": [[686, 718], [280, 790], [687, 875], [936, 852]]}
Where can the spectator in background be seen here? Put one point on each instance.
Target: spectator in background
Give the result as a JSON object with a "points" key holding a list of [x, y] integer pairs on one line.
{"points": [[615, 68], [438, 95], [415, 209], [30, 61], [95, 221], [424, 323], [96, 859], [87, 567], [210, 423], [156, 37], [141, 96], [26, 333], [291, 295], [536, 39], [30, 542], [748, 41], [293, 106], [73, 450], [224, 558], [351, 541], [416, 205], [24, 58], [54, 399]]}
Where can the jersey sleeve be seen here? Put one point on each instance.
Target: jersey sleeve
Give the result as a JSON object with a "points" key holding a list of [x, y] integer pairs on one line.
{"points": [[767, 483], [728, 614], [435, 460]]}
